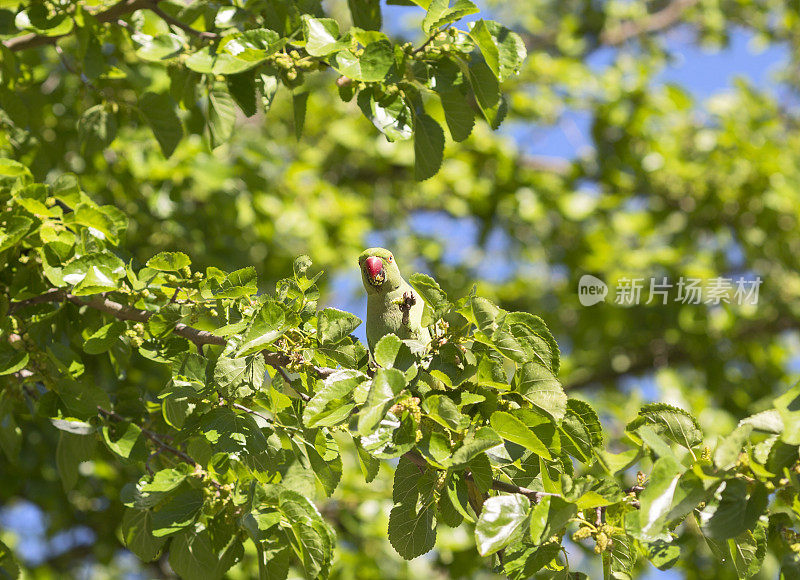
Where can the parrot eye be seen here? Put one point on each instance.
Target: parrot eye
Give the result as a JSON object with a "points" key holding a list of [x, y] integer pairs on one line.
{"points": [[390, 259]]}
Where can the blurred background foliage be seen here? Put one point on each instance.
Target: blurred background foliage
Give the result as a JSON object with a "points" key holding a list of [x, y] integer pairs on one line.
{"points": [[654, 182]]}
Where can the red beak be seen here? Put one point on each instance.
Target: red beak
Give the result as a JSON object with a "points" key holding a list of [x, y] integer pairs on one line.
{"points": [[374, 266]]}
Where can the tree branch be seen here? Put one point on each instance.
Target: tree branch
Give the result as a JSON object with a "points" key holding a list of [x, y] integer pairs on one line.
{"points": [[120, 311], [183, 26], [670, 356], [547, 164], [118, 10], [655, 22], [155, 438], [661, 20], [497, 485]]}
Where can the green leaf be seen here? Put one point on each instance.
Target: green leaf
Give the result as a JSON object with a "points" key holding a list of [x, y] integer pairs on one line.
{"points": [[511, 51], [334, 325], [73, 426], [501, 522], [125, 439], [38, 19], [239, 377], [10, 434], [483, 439], [13, 230], [386, 385], [589, 492], [237, 284], [268, 325], [391, 352], [663, 555], [768, 421], [242, 88], [657, 498], [748, 550], [11, 359], [221, 114], [366, 14], [224, 63], [169, 261], [732, 511], [229, 432], [322, 36], [177, 512], [576, 439], [484, 85], [369, 465], [391, 115], [620, 558], [371, 66], [521, 564], [299, 107], [269, 88], [431, 293], [589, 418], [104, 338], [159, 111], [195, 555], [312, 538], [326, 465], [428, 147], [97, 128], [729, 448], [156, 48], [481, 469], [654, 441], [332, 404], [440, 13], [676, 424], [9, 568], [480, 34], [412, 527], [393, 437], [457, 113], [539, 386], [443, 410], [512, 429], [251, 46], [549, 517], [137, 534], [788, 406]]}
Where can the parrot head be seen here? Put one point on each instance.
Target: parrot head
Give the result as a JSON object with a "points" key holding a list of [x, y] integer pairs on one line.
{"points": [[379, 271]]}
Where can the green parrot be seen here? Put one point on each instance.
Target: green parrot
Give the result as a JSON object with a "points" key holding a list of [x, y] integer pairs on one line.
{"points": [[392, 305]]}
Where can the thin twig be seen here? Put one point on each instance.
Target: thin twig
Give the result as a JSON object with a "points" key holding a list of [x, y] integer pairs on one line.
{"points": [[660, 20], [497, 485], [156, 438], [122, 312], [80, 74], [117, 11], [182, 25], [424, 44], [254, 412], [152, 456]]}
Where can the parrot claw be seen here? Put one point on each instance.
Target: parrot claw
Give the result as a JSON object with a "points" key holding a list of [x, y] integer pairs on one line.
{"points": [[405, 306]]}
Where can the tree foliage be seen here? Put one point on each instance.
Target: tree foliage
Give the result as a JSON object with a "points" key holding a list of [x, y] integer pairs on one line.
{"points": [[201, 419], [482, 429]]}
